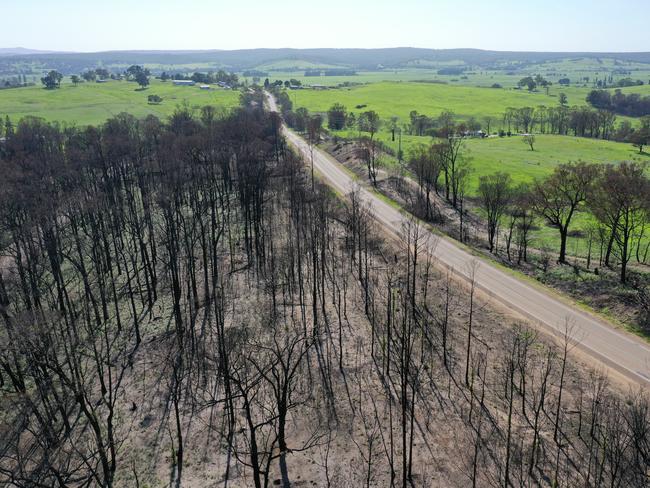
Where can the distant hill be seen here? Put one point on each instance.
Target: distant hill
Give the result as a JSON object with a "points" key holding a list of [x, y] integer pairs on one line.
{"points": [[21, 51], [353, 58]]}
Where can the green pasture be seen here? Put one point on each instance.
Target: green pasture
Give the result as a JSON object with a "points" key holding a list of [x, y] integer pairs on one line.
{"points": [[93, 103], [399, 99], [511, 155]]}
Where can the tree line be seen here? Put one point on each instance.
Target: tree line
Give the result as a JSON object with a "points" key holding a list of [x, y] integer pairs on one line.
{"points": [[209, 77], [597, 123], [632, 104], [617, 195]]}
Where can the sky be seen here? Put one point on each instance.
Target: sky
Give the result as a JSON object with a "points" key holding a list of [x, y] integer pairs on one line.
{"points": [[549, 25]]}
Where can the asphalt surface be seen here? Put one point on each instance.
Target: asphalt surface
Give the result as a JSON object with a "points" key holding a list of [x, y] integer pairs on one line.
{"points": [[619, 350]]}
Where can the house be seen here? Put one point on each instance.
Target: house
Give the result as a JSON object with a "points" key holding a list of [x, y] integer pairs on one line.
{"points": [[101, 80], [183, 82], [205, 87]]}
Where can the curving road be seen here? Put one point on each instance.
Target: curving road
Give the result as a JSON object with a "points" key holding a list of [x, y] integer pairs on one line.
{"points": [[623, 352]]}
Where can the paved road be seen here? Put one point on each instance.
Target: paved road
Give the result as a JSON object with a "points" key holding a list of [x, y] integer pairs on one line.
{"points": [[618, 350]]}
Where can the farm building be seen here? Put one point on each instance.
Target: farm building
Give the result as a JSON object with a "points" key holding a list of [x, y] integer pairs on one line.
{"points": [[205, 87], [183, 82], [475, 134]]}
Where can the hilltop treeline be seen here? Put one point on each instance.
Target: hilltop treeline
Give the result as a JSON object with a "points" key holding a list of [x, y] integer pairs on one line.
{"points": [[356, 58], [180, 300]]}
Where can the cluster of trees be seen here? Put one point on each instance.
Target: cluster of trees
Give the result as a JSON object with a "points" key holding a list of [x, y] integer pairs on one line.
{"points": [[443, 168], [15, 81], [423, 125], [626, 82], [52, 80], [337, 117], [562, 120], [608, 81], [279, 83], [97, 74], [632, 104], [134, 73], [577, 121], [254, 73], [221, 76], [618, 196], [138, 74], [531, 83]]}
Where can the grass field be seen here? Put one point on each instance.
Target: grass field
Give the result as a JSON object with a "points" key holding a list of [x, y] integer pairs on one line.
{"points": [[93, 103], [399, 99], [510, 155]]}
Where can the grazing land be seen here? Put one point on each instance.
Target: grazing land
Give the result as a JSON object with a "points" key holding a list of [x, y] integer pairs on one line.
{"points": [[511, 155], [93, 103], [399, 99]]}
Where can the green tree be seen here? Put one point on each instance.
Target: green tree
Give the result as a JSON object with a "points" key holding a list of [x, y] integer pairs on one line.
{"points": [[495, 192], [621, 202], [89, 75], [557, 197], [138, 74], [102, 73], [529, 139], [142, 79], [52, 80], [9, 127], [394, 124], [75, 80], [369, 122], [641, 136], [336, 117], [528, 82]]}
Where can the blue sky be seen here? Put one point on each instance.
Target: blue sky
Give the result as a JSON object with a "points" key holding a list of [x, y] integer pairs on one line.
{"points": [[550, 25]]}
